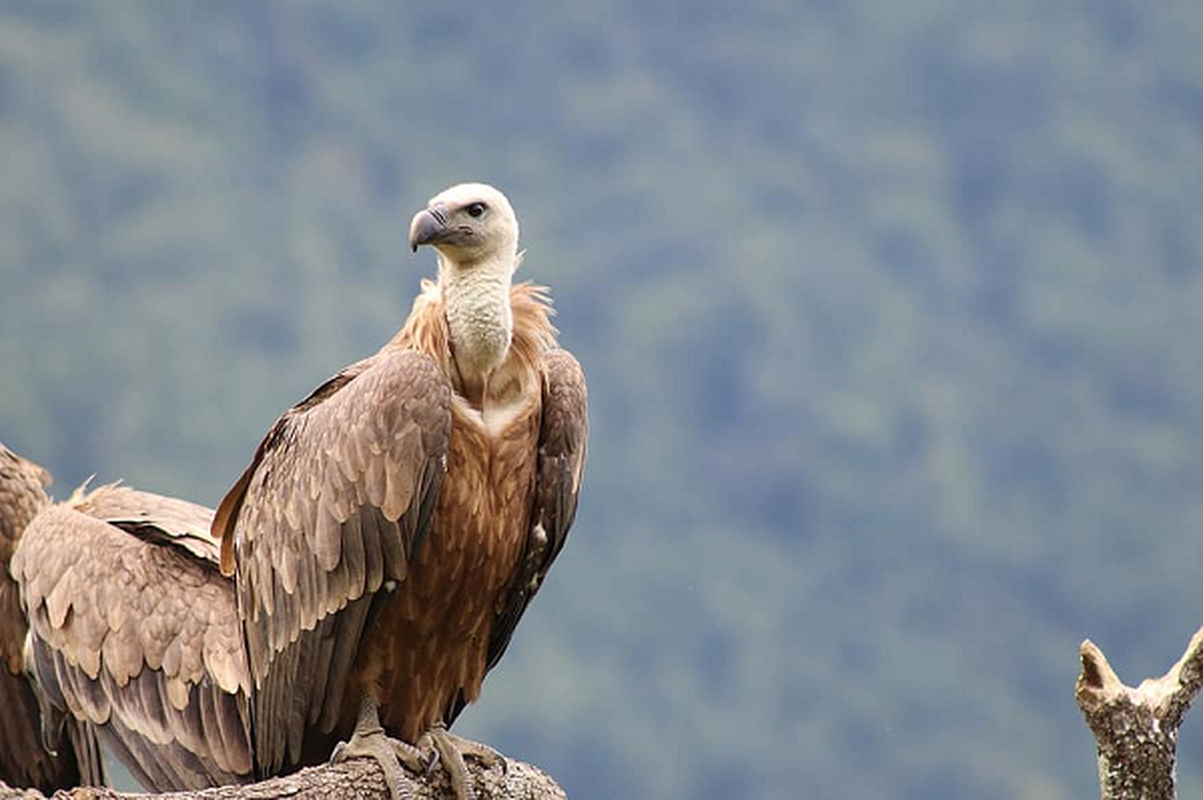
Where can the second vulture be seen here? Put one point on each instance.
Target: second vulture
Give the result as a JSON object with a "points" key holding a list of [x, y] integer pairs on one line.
{"points": [[393, 526], [133, 639]]}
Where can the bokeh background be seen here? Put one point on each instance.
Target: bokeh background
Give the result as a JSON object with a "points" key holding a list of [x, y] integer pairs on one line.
{"points": [[891, 314]]}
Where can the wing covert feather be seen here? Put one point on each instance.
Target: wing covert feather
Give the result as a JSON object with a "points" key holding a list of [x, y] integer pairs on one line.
{"points": [[165, 520]]}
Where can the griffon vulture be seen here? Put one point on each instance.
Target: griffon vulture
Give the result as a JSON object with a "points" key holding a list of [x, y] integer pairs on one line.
{"points": [[393, 525], [24, 761], [134, 634]]}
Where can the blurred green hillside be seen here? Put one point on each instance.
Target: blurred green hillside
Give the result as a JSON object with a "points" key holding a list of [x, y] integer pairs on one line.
{"points": [[892, 314]]}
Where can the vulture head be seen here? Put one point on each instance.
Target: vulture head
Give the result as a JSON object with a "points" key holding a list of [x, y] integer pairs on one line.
{"points": [[467, 224]]}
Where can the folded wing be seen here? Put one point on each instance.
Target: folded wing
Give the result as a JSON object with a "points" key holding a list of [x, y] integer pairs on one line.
{"points": [[563, 440], [135, 633], [334, 505]]}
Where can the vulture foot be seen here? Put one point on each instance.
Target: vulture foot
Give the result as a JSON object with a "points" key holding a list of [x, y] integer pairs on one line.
{"points": [[369, 741], [450, 750]]}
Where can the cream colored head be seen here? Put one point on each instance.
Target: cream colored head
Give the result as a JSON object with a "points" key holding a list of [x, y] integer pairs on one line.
{"points": [[468, 224]]}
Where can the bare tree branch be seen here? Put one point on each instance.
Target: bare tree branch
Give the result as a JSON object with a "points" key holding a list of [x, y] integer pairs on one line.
{"points": [[1136, 729], [509, 780]]}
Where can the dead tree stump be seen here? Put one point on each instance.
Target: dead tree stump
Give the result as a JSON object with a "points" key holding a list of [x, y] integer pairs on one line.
{"points": [[1136, 729]]}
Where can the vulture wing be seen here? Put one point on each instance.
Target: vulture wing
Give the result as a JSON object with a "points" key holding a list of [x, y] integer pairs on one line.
{"points": [[335, 503], [135, 633], [155, 518], [24, 762], [563, 437]]}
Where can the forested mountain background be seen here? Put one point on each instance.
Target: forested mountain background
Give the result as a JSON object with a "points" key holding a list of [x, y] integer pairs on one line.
{"points": [[891, 314]]}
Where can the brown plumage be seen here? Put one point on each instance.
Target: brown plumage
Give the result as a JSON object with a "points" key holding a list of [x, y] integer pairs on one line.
{"points": [[24, 761], [393, 526], [134, 634]]}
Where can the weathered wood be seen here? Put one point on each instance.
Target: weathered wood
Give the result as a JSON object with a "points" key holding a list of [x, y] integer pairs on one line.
{"points": [[1136, 729], [358, 778]]}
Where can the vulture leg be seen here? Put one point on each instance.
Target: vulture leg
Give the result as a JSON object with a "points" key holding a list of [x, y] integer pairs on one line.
{"points": [[451, 750], [369, 741]]}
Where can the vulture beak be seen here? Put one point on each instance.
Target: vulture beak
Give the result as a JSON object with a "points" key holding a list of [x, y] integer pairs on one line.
{"points": [[428, 226]]}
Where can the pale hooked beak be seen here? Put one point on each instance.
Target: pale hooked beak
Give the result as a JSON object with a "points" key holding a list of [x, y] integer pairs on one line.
{"points": [[429, 226]]}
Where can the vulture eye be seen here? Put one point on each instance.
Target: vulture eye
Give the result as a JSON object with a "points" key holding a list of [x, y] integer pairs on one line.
{"points": [[476, 209]]}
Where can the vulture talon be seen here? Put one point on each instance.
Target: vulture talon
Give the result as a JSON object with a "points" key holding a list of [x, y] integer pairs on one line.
{"points": [[375, 745], [413, 758], [432, 761], [451, 749], [370, 741]]}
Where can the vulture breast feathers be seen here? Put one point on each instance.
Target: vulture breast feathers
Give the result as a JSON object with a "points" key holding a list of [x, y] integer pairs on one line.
{"points": [[392, 526], [135, 634]]}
